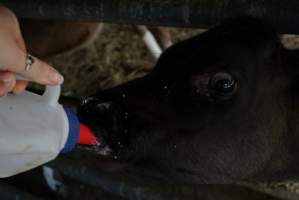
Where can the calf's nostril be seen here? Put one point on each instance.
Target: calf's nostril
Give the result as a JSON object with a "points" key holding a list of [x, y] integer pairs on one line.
{"points": [[93, 106], [103, 106], [87, 100]]}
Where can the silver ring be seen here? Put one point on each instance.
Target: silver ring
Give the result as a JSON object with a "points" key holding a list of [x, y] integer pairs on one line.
{"points": [[29, 62]]}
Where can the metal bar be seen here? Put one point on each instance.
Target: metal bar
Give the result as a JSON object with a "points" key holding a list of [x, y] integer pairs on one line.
{"points": [[182, 13]]}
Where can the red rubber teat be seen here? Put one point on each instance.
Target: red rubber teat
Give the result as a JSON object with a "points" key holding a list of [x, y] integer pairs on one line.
{"points": [[86, 136]]}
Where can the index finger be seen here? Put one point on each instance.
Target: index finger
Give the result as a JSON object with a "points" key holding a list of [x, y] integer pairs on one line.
{"points": [[40, 71]]}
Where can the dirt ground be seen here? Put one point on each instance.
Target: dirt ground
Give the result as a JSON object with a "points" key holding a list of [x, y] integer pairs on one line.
{"points": [[118, 55]]}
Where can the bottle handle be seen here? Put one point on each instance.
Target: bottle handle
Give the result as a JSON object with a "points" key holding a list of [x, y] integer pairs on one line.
{"points": [[51, 94]]}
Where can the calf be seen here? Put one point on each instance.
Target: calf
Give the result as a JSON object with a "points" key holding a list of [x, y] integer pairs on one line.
{"points": [[217, 108]]}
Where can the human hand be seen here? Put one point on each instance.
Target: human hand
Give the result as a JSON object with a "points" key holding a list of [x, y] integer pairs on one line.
{"points": [[13, 57]]}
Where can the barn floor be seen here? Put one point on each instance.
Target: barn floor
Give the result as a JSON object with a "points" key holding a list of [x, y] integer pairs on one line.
{"points": [[115, 56]]}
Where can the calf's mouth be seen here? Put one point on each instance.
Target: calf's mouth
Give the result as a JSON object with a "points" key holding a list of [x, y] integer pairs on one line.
{"points": [[108, 120]]}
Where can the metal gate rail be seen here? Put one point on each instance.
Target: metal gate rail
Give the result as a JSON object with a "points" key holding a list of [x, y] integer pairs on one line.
{"points": [[182, 13]]}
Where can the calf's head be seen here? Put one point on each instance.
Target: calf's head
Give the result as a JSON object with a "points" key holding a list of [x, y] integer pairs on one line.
{"points": [[217, 108]]}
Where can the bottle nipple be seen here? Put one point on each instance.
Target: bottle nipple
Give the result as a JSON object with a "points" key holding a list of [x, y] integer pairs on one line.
{"points": [[86, 136], [78, 133]]}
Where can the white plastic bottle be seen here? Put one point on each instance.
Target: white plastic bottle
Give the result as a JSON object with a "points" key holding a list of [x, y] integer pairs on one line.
{"points": [[34, 129]]}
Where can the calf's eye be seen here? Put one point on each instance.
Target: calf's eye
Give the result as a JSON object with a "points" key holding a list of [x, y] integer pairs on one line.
{"points": [[222, 84]]}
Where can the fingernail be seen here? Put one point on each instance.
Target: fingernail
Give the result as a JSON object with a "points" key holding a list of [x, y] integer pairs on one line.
{"points": [[6, 82], [56, 78], [6, 86]]}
